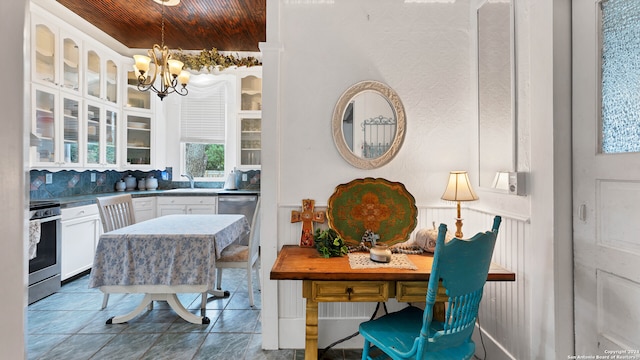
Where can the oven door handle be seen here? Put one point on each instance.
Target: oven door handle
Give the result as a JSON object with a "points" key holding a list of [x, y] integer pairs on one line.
{"points": [[47, 219]]}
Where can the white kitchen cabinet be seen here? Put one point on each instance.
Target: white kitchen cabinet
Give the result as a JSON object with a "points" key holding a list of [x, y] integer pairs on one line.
{"points": [[136, 99], [55, 139], [250, 118], [101, 124], [144, 208], [75, 98], [168, 205], [81, 229], [55, 55], [102, 73], [139, 139]]}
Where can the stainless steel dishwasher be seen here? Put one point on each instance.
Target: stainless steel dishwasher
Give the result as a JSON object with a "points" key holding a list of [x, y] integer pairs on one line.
{"points": [[234, 203]]}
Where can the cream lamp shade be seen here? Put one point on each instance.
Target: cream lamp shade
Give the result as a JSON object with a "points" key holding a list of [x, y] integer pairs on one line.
{"points": [[459, 189]]}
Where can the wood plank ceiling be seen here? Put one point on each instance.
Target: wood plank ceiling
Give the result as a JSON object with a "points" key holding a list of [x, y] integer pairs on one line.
{"points": [[227, 25]]}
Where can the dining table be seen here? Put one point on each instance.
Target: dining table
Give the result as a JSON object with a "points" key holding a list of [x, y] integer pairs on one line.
{"points": [[165, 256]]}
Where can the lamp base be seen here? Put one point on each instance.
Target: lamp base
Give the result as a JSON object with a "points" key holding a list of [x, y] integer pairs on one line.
{"points": [[459, 228]]}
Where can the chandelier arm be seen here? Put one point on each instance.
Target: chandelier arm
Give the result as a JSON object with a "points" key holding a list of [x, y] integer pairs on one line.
{"points": [[148, 87]]}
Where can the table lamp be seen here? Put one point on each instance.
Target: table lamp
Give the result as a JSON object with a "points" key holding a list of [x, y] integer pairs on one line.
{"points": [[459, 189]]}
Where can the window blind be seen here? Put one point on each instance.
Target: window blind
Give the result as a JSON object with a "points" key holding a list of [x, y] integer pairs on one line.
{"points": [[203, 118]]}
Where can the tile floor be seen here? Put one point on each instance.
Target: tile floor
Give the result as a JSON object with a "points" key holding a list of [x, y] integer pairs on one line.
{"points": [[69, 325]]}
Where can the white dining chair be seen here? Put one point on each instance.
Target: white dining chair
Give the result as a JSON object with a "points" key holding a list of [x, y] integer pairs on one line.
{"points": [[243, 256], [115, 212]]}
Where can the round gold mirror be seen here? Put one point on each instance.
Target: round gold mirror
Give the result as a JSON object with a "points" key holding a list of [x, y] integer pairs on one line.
{"points": [[368, 124]]}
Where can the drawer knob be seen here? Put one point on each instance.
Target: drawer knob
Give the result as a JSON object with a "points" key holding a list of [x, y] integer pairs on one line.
{"points": [[349, 292]]}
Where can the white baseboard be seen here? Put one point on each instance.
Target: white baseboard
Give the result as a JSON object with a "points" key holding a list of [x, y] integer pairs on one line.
{"points": [[492, 349]]}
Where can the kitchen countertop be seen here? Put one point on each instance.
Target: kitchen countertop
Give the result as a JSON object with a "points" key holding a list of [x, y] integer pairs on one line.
{"points": [[80, 200]]}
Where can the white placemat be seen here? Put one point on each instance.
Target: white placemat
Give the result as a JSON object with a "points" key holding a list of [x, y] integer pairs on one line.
{"points": [[363, 261]]}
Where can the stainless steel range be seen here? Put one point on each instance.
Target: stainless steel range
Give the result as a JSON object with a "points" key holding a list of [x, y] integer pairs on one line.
{"points": [[44, 249]]}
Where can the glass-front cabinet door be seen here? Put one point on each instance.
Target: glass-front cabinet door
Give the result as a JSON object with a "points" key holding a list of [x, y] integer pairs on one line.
{"points": [[138, 139], [250, 120], [70, 64], [251, 93], [71, 131], [136, 99], [250, 142], [111, 152], [44, 50], [55, 129], [55, 56], [101, 75], [93, 74], [43, 148], [101, 136], [93, 124], [111, 77]]}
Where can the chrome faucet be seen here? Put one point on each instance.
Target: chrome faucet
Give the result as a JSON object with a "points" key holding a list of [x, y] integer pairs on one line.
{"points": [[188, 176]]}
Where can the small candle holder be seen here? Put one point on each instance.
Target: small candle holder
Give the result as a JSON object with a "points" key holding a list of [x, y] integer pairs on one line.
{"points": [[380, 253]]}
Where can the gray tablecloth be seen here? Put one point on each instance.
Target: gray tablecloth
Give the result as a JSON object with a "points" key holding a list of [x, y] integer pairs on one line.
{"points": [[169, 250]]}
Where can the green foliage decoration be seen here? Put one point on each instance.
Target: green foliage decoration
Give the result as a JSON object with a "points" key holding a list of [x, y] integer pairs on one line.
{"points": [[329, 243], [213, 59]]}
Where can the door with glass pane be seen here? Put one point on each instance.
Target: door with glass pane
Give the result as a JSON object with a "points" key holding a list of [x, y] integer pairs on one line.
{"points": [[43, 149], [71, 130], [93, 139], [250, 142], [138, 139], [606, 172], [70, 65], [93, 74], [44, 49], [111, 132], [111, 78]]}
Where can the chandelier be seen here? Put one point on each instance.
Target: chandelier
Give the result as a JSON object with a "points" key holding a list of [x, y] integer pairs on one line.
{"points": [[169, 70]]}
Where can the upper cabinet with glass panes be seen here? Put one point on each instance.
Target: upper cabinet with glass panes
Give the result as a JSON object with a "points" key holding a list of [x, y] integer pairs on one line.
{"points": [[250, 119], [101, 74], [56, 57], [75, 97], [250, 93], [135, 98]]}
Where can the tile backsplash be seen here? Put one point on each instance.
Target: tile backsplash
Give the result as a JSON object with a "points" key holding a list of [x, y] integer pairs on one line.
{"points": [[66, 183], [73, 183]]}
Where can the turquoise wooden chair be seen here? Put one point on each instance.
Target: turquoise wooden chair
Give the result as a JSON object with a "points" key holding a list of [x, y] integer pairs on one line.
{"points": [[411, 333]]}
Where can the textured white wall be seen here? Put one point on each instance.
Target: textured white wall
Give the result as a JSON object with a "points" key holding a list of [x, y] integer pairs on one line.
{"points": [[13, 268], [420, 50]]}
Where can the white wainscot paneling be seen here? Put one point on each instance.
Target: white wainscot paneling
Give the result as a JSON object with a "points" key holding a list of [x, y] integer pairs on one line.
{"points": [[616, 198], [504, 312], [618, 313]]}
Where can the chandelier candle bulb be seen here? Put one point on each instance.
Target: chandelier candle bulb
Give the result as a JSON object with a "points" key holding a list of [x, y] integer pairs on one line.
{"points": [[175, 67], [142, 63], [183, 78]]}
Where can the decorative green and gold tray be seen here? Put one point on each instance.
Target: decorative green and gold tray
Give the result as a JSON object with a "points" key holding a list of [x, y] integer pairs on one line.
{"points": [[375, 204]]}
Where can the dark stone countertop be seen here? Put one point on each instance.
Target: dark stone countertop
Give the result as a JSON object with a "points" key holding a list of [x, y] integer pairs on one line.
{"points": [[80, 200]]}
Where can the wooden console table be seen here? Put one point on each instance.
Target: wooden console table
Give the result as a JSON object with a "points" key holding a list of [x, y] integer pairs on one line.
{"points": [[333, 280]]}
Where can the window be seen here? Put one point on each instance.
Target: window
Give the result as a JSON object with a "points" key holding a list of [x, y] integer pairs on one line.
{"points": [[202, 133], [204, 160], [620, 122]]}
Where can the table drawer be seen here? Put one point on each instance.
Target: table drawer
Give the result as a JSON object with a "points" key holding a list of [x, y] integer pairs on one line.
{"points": [[416, 291], [411, 291], [344, 291]]}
